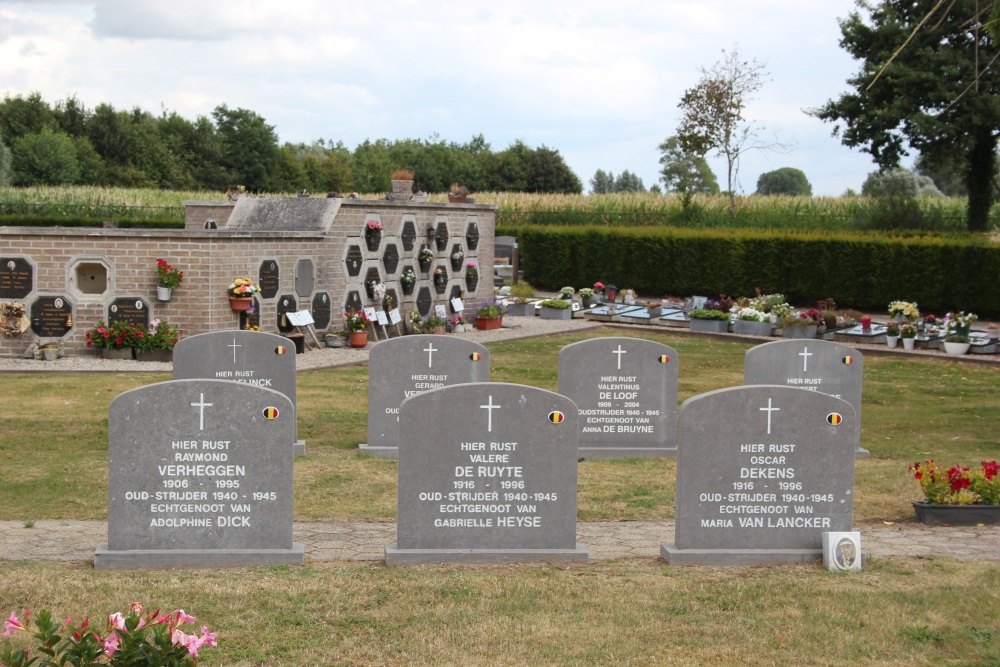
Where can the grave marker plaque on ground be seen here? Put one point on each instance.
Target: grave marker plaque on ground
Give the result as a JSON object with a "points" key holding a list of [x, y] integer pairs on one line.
{"points": [[249, 357], [626, 391], [199, 475], [762, 472], [817, 365], [487, 474], [405, 366]]}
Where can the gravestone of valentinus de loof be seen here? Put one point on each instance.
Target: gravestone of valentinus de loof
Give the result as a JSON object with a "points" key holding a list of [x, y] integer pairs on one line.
{"points": [[762, 472], [487, 474], [199, 475], [250, 357], [816, 365], [626, 391], [405, 366]]}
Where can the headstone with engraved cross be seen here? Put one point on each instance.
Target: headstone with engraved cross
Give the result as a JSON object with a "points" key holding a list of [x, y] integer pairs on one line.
{"points": [[487, 474], [762, 472], [626, 390], [249, 357], [402, 367], [816, 365], [199, 475]]}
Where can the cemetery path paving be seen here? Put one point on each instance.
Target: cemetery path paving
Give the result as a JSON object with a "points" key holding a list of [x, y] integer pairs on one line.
{"points": [[331, 541]]}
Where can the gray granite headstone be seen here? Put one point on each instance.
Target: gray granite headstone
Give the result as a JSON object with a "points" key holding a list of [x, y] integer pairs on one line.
{"points": [[487, 474], [283, 214], [402, 367], [626, 391], [250, 357], [762, 472], [199, 475], [816, 365]]}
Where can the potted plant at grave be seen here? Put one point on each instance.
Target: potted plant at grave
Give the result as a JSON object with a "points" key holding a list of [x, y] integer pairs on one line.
{"points": [[167, 279], [654, 308], [458, 194], [828, 311], [356, 324], [904, 310], [425, 258], [373, 234], [908, 332], [958, 496], [709, 319], [456, 260], [892, 334], [599, 291], [959, 322], [432, 324], [408, 280], [114, 341], [158, 342], [471, 276], [520, 295], [458, 324], [241, 292], [753, 322], [803, 324], [566, 293], [556, 309], [587, 298], [402, 185], [489, 315]]}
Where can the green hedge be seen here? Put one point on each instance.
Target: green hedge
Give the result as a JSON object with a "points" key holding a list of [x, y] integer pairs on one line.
{"points": [[72, 221], [858, 271]]}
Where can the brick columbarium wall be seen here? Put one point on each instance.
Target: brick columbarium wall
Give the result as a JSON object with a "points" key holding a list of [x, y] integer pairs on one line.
{"points": [[308, 254]]}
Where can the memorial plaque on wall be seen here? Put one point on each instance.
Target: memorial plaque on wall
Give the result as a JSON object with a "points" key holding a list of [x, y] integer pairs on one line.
{"points": [[267, 279], [51, 316], [131, 310], [472, 236], [305, 277], [424, 301], [321, 311], [16, 278], [409, 235], [626, 389], [354, 261], [286, 304], [762, 472], [251, 316], [390, 259], [497, 485]]}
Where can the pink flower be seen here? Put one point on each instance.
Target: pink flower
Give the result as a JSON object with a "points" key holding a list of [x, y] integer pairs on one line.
{"points": [[12, 624], [183, 618], [116, 620], [111, 644]]}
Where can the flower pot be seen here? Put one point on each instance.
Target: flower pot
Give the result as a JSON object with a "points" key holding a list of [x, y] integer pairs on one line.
{"points": [[457, 199], [408, 288], [154, 355], [117, 353], [471, 282], [456, 264], [749, 328], [521, 309], [425, 265], [372, 238], [963, 331], [590, 302], [908, 343], [556, 313], [240, 303], [459, 328], [402, 190], [710, 326], [357, 338], [866, 323], [50, 353], [891, 341], [807, 331], [956, 348], [487, 323], [163, 293], [437, 330], [957, 515]]}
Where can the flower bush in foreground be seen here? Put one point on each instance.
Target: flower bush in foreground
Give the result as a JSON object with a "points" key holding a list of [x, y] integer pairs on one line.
{"points": [[958, 485], [128, 640]]}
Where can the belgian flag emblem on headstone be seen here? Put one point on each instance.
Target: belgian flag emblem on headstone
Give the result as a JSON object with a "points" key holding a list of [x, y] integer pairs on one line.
{"points": [[834, 418], [475, 356], [281, 349], [270, 413], [848, 360], [663, 358], [556, 417]]}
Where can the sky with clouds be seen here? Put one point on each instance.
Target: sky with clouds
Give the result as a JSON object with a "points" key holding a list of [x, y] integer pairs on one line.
{"points": [[597, 81]]}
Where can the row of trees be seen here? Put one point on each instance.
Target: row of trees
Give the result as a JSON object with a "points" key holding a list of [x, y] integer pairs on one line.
{"points": [[67, 143]]}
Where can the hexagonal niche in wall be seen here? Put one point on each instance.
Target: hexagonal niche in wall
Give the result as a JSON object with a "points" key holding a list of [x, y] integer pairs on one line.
{"points": [[424, 301], [321, 306], [441, 235], [390, 259], [472, 235], [354, 260], [371, 278], [353, 301], [286, 304], [408, 235]]}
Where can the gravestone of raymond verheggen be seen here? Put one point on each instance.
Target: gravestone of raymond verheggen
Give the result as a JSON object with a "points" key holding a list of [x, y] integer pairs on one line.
{"points": [[487, 474], [816, 365], [250, 357], [402, 367], [762, 472], [626, 391], [199, 475]]}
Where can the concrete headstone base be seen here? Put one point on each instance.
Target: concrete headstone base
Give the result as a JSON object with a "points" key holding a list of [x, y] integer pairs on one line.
{"points": [[625, 452], [381, 452], [191, 559], [396, 556], [738, 557]]}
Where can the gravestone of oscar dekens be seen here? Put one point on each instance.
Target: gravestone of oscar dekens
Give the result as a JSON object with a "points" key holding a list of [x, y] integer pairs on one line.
{"points": [[199, 475], [487, 474], [405, 366], [816, 365], [762, 472], [626, 391], [249, 357]]}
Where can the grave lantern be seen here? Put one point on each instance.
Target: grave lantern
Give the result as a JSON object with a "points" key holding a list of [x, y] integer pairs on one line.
{"points": [[610, 293]]}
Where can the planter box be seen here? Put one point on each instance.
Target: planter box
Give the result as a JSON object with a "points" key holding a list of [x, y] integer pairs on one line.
{"points": [[556, 313], [748, 328], [710, 326], [119, 353], [956, 348], [808, 331], [957, 515], [487, 323], [154, 355], [521, 309]]}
